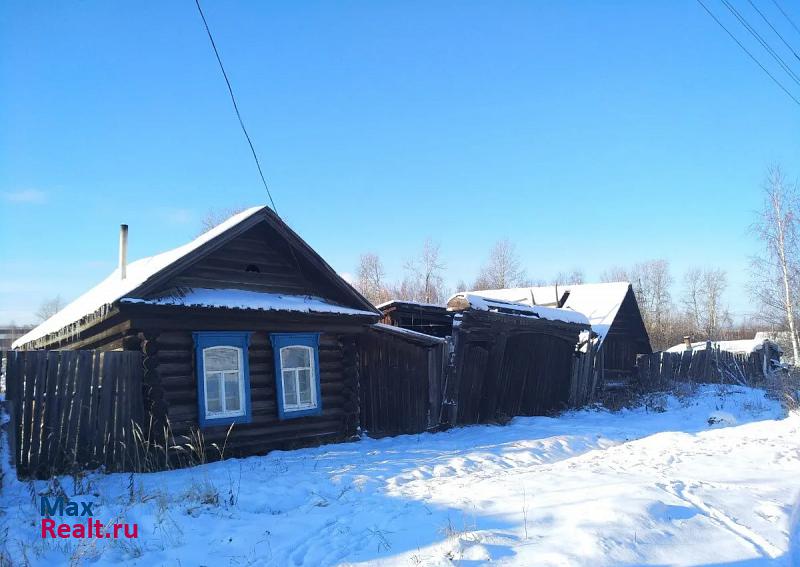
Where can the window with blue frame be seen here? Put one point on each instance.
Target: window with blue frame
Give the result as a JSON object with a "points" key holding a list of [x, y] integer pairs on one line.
{"points": [[297, 374], [223, 377]]}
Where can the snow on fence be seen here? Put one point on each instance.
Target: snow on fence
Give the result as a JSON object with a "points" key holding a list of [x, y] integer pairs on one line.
{"points": [[710, 364], [72, 410]]}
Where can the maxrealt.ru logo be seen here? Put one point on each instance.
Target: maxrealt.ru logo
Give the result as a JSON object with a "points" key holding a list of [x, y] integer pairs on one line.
{"points": [[88, 529]]}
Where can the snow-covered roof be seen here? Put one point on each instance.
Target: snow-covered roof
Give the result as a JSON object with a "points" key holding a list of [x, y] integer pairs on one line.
{"points": [[245, 299], [113, 288], [481, 303], [743, 346], [600, 302], [408, 333], [404, 302]]}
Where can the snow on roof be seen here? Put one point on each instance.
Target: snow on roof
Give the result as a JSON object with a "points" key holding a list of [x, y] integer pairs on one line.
{"points": [[113, 288], [408, 332], [600, 302], [549, 313], [245, 299], [743, 346], [404, 302]]}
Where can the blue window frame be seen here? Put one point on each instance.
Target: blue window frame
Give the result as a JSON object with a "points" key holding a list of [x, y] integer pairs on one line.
{"points": [[297, 374], [223, 377]]}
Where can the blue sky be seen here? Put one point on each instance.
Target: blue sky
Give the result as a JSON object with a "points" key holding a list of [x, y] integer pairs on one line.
{"points": [[590, 133]]}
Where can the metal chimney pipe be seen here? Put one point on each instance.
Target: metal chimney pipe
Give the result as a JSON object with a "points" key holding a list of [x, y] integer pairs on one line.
{"points": [[123, 251]]}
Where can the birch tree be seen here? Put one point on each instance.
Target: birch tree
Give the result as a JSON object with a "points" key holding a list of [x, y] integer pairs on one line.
{"points": [[370, 278], [427, 271], [503, 268], [775, 272], [652, 282], [706, 314], [576, 276]]}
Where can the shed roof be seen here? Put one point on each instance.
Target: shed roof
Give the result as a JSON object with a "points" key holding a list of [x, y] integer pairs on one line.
{"points": [[599, 302], [482, 303]]}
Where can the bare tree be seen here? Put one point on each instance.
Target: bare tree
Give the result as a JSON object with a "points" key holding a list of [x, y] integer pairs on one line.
{"points": [[216, 217], [502, 270], [49, 307], [370, 278], [406, 290], [692, 290], [703, 304], [576, 276], [651, 283], [427, 273], [775, 273], [615, 274]]}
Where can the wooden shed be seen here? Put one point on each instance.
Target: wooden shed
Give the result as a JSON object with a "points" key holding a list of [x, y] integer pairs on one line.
{"points": [[433, 320], [612, 310], [245, 325], [401, 380], [511, 359]]}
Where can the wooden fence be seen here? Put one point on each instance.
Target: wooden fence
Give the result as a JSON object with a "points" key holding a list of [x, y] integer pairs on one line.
{"points": [[73, 410], [700, 365]]}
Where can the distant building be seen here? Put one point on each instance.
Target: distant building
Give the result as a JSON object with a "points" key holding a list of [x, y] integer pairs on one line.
{"points": [[11, 333]]}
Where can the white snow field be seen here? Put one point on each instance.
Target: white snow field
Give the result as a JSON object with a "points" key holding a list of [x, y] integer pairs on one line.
{"points": [[635, 487]]}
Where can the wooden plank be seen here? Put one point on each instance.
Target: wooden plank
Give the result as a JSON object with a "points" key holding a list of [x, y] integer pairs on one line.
{"points": [[86, 430], [37, 424], [105, 411], [51, 426], [14, 367], [26, 407], [82, 372]]}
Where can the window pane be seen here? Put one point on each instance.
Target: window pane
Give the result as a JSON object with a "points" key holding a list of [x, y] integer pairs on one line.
{"points": [[232, 402], [221, 359], [304, 379], [295, 357], [213, 402], [289, 390]]}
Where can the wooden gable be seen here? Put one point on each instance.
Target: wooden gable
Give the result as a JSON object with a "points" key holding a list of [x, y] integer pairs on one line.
{"points": [[629, 326], [264, 255]]}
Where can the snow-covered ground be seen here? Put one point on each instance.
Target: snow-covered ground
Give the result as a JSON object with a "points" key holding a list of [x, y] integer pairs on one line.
{"points": [[636, 487]]}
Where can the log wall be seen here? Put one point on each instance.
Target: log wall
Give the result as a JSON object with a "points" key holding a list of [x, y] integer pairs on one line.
{"points": [[338, 376]]}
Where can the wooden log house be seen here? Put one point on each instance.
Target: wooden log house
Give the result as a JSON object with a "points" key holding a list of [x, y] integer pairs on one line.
{"points": [[245, 325]]}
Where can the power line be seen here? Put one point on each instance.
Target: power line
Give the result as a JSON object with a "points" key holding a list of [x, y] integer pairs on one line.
{"points": [[786, 43], [762, 41], [235, 106], [785, 15], [756, 61]]}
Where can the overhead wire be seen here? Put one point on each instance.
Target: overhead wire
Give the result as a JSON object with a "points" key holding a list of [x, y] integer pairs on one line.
{"points": [[785, 15], [236, 106], [762, 41], [763, 17], [753, 57]]}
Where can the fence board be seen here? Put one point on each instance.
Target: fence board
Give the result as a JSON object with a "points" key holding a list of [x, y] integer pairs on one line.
{"points": [[73, 409], [711, 364]]}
